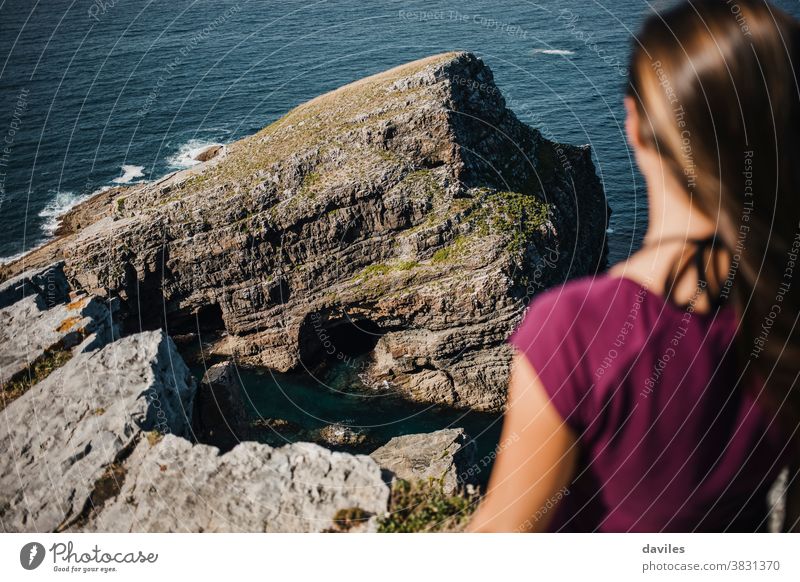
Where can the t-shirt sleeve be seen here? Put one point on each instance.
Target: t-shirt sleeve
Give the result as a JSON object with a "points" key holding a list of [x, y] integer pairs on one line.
{"points": [[550, 336]]}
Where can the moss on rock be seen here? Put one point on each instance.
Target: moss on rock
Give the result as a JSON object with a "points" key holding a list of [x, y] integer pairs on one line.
{"points": [[518, 217], [37, 371], [423, 506]]}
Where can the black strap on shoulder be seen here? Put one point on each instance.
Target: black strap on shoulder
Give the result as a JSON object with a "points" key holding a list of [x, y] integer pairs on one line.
{"points": [[715, 297]]}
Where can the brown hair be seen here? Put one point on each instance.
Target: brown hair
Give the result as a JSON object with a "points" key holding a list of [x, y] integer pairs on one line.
{"points": [[716, 87]]}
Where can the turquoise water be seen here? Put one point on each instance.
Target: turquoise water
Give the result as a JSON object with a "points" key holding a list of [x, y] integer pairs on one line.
{"points": [[313, 400], [95, 91]]}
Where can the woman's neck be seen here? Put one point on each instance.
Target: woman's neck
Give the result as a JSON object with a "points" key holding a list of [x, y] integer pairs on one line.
{"points": [[671, 213], [673, 222]]}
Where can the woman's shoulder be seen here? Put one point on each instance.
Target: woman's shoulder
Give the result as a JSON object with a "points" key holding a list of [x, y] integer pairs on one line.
{"points": [[588, 312], [567, 332], [592, 296], [565, 311], [591, 313]]}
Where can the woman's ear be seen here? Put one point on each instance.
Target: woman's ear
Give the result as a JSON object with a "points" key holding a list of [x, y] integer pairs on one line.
{"points": [[632, 123]]}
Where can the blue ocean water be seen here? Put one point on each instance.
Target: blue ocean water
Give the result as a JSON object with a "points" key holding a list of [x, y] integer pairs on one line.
{"points": [[97, 92], [379, 416]]}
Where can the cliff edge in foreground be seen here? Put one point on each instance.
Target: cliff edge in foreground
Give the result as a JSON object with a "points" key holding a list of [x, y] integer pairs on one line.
{"points": [[407, 216]]}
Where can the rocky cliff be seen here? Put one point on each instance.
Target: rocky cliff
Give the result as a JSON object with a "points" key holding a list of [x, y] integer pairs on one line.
{"points": [[408, 216], [104, 437]]}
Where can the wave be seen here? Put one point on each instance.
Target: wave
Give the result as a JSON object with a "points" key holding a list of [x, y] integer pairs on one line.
{"points": [[59, 205], [541, 51], [12, 258], [186, 154], [129, 173], [62, 202]]}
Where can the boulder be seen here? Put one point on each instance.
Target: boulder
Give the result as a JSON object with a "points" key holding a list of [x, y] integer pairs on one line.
{"points": [[208, 153], [48, 283], [31, 332], [174, 486], [63, 440], [220, 414], [445, 455], [340, 435]]}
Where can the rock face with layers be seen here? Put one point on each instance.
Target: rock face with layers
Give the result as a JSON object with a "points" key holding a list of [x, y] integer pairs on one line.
{"points": [[408, 215]]}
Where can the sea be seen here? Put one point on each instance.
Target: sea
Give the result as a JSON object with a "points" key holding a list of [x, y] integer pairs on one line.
{"points": [[96, 93]]}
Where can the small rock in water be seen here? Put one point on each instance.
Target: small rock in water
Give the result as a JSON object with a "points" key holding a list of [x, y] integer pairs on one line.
{"points": [[277, 424], [208, 153], [340, 435]]}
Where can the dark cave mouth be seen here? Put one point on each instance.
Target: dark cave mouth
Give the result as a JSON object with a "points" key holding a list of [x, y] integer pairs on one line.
{"points": [[325, 340]]}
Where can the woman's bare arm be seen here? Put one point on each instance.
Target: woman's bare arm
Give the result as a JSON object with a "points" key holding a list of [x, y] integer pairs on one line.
{"points": [[536, 461], [792, 519]]}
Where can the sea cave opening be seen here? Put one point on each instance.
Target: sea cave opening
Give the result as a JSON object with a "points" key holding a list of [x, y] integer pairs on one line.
{"points": [[205, 321], [209, 318], [327, 338]]}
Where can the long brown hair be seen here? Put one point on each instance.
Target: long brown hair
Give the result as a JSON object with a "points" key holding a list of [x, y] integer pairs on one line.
{"points": [[716, 87]]}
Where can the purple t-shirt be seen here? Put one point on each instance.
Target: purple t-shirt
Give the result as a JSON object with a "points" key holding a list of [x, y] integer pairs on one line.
{"points": [[669, 439]]}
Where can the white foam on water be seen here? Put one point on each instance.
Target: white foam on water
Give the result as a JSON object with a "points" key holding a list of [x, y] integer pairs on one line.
{"points": [[59, 204], [12, 258], [129, 173], [186, 154], [541, 51]]}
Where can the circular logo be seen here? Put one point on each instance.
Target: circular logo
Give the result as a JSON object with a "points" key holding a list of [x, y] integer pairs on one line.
{"points": [[31, 555]]}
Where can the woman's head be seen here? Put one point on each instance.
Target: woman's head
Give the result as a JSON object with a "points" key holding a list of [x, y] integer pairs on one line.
{"points": [[715, 97]]}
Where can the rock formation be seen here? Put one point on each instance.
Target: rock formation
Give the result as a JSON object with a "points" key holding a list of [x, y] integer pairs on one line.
{"points": [[173, 486], [339, 435], [104, 439], [64, 438], [409, 215], [220, 415], [396, 225], [444, 456]]}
